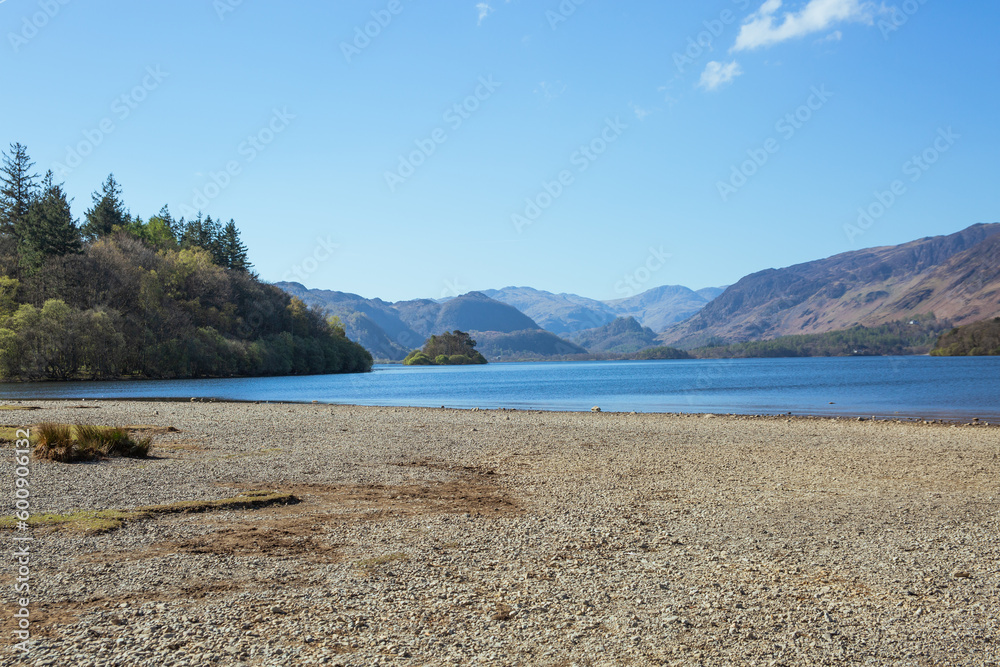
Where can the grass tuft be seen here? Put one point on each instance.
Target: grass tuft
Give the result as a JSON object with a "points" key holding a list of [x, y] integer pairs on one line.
{"points": [[54, 442], [83, 442], [102, 521]]}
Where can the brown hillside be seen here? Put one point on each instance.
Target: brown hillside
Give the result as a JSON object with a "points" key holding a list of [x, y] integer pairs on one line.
{"points": [[955, 276]]}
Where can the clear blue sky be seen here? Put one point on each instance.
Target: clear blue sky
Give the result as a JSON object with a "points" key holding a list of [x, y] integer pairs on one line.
{"points": [[667, 121]]}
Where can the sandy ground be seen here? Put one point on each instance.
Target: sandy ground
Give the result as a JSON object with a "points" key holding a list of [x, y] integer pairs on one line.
{"points": [[427, 537]]}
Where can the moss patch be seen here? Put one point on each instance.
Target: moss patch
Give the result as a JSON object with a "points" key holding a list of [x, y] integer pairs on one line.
{"points": [[8, 434], [101, 521]]}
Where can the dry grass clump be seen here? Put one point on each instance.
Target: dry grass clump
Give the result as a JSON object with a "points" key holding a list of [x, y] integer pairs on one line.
{"points": [[66, 444], [101, 521]]}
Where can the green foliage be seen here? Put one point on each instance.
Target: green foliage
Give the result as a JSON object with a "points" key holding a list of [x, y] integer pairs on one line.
{"points": [[448, 349], [49, 228], [418, 358], [153, 299], [231, 251], [8, 295], [157, 232], [108, 212], [167, 314], [972, 340], [17, 188], [223, 243], [661, 353], [911, 336]]}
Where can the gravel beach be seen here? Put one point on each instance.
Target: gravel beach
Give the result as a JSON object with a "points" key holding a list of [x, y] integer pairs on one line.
{"points": [[439, 537]]}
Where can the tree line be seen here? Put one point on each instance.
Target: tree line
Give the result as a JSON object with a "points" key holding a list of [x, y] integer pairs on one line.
{"points": [[915, 335], [119, 296], [978, 339]]}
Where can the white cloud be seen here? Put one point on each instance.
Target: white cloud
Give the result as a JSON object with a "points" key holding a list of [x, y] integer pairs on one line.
{"points": [[717, 74], [834, 36], [764, 28], [484, 10]]}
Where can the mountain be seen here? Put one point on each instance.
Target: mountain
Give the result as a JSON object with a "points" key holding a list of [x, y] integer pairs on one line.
{"points": [[558, 313], [373, 323], [621, 336], [392, 330], [524, 345], [657, 308], [955, 277], [709, 293], [660, 307], [470, 312]]}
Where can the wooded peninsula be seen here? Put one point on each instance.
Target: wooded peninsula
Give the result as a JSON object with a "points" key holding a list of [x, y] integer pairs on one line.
{"points": [[118, 296]]}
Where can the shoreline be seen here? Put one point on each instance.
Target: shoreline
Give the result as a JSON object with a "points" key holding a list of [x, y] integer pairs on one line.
{"points": [[847, 416], [427, 536]]}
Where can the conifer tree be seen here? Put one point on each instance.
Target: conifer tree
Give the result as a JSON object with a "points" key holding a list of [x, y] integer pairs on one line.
{"points": [[212, 240], [49, 228], [233, 251], [17, 190], [107, 213]]}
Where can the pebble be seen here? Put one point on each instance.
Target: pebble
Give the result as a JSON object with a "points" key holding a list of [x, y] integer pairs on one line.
{"points": [[650, 539]]}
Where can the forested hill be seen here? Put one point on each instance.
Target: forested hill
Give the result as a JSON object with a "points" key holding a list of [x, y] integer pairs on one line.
{"points": [[118, 296]]}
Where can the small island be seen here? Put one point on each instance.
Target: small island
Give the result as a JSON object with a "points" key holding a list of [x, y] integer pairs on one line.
{"points": [[448, 349]]}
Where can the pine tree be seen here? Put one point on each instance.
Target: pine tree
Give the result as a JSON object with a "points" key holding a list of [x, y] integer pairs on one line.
{"points": [[50, 228], [107, 213], [17, 190], [212, 240], [191, 232], [233, 251]]}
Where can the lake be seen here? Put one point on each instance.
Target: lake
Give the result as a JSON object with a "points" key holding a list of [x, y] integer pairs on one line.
{"points": [[929, 387]]}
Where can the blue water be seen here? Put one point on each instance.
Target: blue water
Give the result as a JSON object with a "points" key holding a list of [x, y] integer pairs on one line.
{"points": [[930, 387]]}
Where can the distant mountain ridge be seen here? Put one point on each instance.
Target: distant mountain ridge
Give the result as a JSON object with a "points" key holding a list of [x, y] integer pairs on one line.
{"points": [[956, 277], [622, 336], [392, 330], [656, 308]]}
